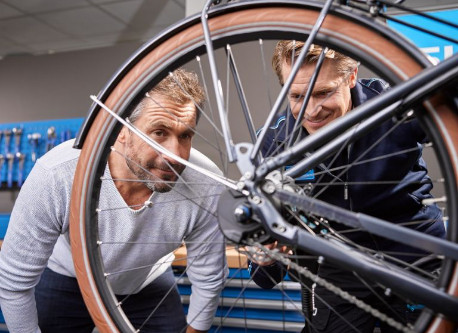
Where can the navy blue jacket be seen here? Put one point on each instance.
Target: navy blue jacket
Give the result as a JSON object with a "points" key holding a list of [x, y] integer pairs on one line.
{"points": [[400, 180]]}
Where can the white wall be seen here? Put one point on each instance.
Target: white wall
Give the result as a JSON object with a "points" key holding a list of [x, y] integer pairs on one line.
{"points": [[54, 87], [57, 85]]}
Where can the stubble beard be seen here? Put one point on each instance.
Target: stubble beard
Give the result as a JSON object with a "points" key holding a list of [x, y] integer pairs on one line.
{"points": [[152, 182]]}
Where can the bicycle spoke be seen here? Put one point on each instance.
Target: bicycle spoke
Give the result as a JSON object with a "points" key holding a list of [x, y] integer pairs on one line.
{"points": [[243, 95]]}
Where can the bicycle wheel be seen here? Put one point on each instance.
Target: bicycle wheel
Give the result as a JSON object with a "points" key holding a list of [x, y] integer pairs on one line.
{"points": [[243, 34]]}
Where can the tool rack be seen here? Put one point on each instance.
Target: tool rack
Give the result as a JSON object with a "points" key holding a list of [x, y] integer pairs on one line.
{"points": [[21, 144]]}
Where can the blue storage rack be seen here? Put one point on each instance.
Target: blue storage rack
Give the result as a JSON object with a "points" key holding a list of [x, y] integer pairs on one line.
{"points": [[33, 141], [245, 307], [4, 219]]}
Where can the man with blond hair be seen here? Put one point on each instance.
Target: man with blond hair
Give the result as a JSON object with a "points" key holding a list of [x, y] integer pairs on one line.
{"points": [[390, 188]]}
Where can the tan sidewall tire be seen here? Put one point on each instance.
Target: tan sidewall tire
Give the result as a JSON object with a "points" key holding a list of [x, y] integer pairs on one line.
{"points": [[355, 35]]}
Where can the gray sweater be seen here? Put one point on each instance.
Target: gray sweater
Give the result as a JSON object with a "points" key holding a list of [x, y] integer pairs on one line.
{"points": [[37, 237]]}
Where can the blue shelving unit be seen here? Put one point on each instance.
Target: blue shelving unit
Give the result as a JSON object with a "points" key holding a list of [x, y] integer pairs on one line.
{"points": [[34, 140], [244, 304], [4, 219]]}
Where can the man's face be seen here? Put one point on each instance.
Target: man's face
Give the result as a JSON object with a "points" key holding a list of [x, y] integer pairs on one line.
{"points": [[329, 100], [169, 124]]}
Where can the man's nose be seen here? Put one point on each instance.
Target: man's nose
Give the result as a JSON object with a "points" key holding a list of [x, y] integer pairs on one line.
{"points": [[313, 108], [173, 145]]}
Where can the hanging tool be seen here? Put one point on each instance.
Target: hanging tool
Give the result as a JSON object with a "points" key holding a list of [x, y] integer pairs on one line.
{"points": [[17, 132], [34, 140], [7, 134], [10, 159], [2, 161], [51, 141], [20, 170]]}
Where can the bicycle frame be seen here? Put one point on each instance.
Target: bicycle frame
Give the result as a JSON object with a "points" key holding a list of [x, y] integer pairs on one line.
{"points": [[390, 276], [401, 281], [324, 143]]}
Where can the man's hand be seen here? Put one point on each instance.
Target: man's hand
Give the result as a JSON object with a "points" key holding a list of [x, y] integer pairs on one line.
{"points": [[260, 258], [193, 330]]}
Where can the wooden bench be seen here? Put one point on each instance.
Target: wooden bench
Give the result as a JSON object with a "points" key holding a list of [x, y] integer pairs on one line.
{"points": [[234, 258]]}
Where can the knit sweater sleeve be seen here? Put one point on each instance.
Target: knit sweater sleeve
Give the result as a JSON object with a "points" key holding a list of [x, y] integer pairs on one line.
{"points": [[36, 223], [207, 270], [207, 267]]}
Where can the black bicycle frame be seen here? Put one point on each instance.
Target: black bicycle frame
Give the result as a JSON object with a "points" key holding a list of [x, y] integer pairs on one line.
{"points": [[400, 281], [367, 116]]}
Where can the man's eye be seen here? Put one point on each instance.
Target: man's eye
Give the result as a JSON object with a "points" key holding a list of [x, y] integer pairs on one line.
{"points": [[158, 133], [295, 97], [187, 136], [324, 93]]}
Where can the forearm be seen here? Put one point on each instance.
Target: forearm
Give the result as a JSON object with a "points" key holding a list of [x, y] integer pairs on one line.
{"points": [[207, 275], [19, 272], [29, 241], [20, 311], [202, 311]]}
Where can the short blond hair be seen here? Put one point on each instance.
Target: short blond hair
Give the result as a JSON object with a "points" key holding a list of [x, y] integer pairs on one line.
{"points": [[180, 86], [287, 50]]}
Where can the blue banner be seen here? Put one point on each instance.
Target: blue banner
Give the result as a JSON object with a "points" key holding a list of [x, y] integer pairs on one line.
{"points": [[436, 47]]}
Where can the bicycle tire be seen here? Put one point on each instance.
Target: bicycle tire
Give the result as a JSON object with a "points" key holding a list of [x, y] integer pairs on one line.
{"points": [[383, 52]]}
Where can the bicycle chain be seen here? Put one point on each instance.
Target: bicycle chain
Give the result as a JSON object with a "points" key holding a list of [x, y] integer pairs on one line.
{"points": [[331, 287]]}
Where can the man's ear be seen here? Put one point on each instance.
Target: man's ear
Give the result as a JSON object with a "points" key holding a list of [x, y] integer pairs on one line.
{"points": [[122, 137], [353, 77]]}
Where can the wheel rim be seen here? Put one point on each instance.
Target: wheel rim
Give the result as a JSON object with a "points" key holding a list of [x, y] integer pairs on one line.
{"points": [[109, 126]]}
